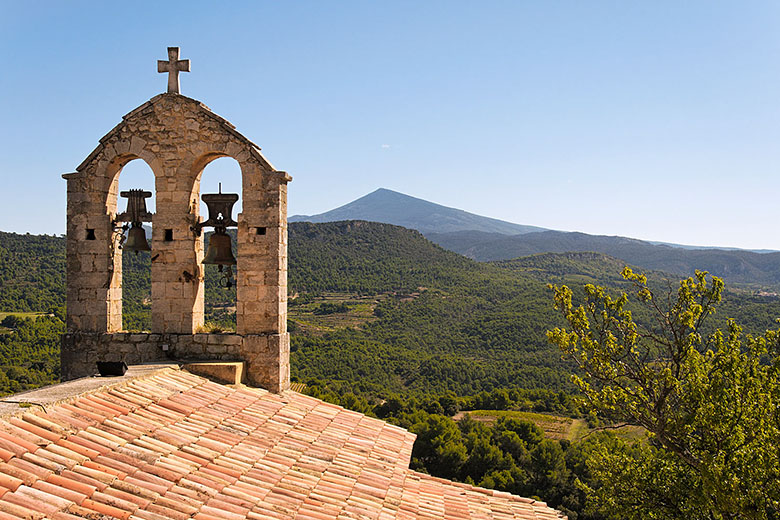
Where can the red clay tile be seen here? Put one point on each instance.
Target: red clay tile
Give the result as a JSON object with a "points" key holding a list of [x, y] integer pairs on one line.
{"points": [[55, 458], [73, 496], [65, 516], [119, 467], [127, 497], [98, 408], [163, 473], [152, 479], [25, 476], [84, 479], [30, 503], [156, 488], [141, 514], [121, 410], [66, 482], [69, 419], [88, 444], [219, 516], [35, 430], [44, 497], [62, 451], [84, 412], [5, 454], [185, 504], [106, 509], [22, 435], [79, 448], [168, 512], [19, 511], [176, 446], [105, 470], [29, 467]]}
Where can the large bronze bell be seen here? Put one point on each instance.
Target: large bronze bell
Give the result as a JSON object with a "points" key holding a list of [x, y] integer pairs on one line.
{"points": [[136, 239], [220, 250]]}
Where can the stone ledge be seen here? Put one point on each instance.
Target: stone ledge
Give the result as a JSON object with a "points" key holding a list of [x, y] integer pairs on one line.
{"points": [[223, 372], [266, 356]]}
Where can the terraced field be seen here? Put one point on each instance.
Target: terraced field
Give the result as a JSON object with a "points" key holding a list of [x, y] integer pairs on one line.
{"points": [[554, 426]]}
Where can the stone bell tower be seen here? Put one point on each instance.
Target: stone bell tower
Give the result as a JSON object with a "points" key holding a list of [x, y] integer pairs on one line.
{"points": [[177, 137]]}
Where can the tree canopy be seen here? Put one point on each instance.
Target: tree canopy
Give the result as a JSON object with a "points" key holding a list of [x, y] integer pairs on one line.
{"points": [[710, 400]]}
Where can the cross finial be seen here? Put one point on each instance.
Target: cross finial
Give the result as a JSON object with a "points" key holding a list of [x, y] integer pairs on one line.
{"points": [[173, 66]]}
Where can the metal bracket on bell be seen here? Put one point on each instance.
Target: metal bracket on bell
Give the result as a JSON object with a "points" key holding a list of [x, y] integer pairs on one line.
{"points": [[136, 207], [220, 206]]}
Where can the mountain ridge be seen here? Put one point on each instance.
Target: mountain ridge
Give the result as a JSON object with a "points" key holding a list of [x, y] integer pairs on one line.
{"points": [[385, 205], [391, 207], [482, 239]]}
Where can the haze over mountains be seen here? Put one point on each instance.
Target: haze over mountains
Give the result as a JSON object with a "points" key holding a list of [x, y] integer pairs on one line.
{"points": [[488, 239]]}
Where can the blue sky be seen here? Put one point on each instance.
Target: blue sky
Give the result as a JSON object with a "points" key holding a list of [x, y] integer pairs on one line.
{"points": [[655, 120]]}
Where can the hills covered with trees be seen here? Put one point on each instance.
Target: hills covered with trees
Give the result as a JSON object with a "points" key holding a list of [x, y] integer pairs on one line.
{"points": [[387, 323]]}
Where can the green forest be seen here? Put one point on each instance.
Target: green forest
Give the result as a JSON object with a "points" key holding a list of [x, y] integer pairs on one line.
{"points": [[387, 323]]}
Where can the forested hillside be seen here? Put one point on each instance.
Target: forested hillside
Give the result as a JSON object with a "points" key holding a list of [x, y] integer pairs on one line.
{"points": [[468, 326], [735, 266], [32, 272], [404, 314], [385, 322]]}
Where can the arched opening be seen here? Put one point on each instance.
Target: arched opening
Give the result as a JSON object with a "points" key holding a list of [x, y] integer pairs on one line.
{"points": [[136, 264], [220, 175]]}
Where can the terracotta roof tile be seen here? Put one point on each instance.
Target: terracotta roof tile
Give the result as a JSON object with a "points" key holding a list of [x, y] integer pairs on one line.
{"points": [[177, 446]]}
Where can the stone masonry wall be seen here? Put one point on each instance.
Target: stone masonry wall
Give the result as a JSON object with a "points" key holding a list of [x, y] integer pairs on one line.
{"points": [[177, 137], [266, 355]]}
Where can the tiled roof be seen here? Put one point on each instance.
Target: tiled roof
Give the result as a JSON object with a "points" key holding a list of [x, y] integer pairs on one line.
{"points": [[176, 446]]}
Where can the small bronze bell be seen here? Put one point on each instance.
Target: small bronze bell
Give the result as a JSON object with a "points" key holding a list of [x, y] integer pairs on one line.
{"points": [[136, 239], [220, 250], [136, 214], [220, 206]]}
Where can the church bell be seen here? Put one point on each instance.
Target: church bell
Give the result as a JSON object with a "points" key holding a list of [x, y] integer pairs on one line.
{"points": [[220, 206], [136, 214], [220, 251], [136, 239]]}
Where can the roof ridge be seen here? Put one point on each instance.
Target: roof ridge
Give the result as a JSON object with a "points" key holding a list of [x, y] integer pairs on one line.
{"points": [[81, 390]]}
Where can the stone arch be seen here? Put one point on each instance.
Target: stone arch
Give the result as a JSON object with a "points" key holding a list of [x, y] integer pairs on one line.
{"points": [[177, 136], [220, 173], [113, 172], [133, 267]]}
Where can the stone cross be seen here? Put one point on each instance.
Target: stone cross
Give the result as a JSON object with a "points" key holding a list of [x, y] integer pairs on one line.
{"points": [[173, 66]]}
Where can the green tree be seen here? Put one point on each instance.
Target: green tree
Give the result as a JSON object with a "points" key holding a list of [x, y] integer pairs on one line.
{"points": [[709, 400], [439, 447]]}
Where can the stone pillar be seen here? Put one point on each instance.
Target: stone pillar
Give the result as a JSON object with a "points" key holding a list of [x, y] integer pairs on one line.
{"points": [[261, 284], [177, 274], [94, 262], [261, 300]]}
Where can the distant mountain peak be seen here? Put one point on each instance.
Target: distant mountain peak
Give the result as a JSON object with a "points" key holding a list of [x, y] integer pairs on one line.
{"points": [[392, 207]]}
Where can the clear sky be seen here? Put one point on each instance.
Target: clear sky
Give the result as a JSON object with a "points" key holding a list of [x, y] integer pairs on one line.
{"points": [[656, 120]]}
